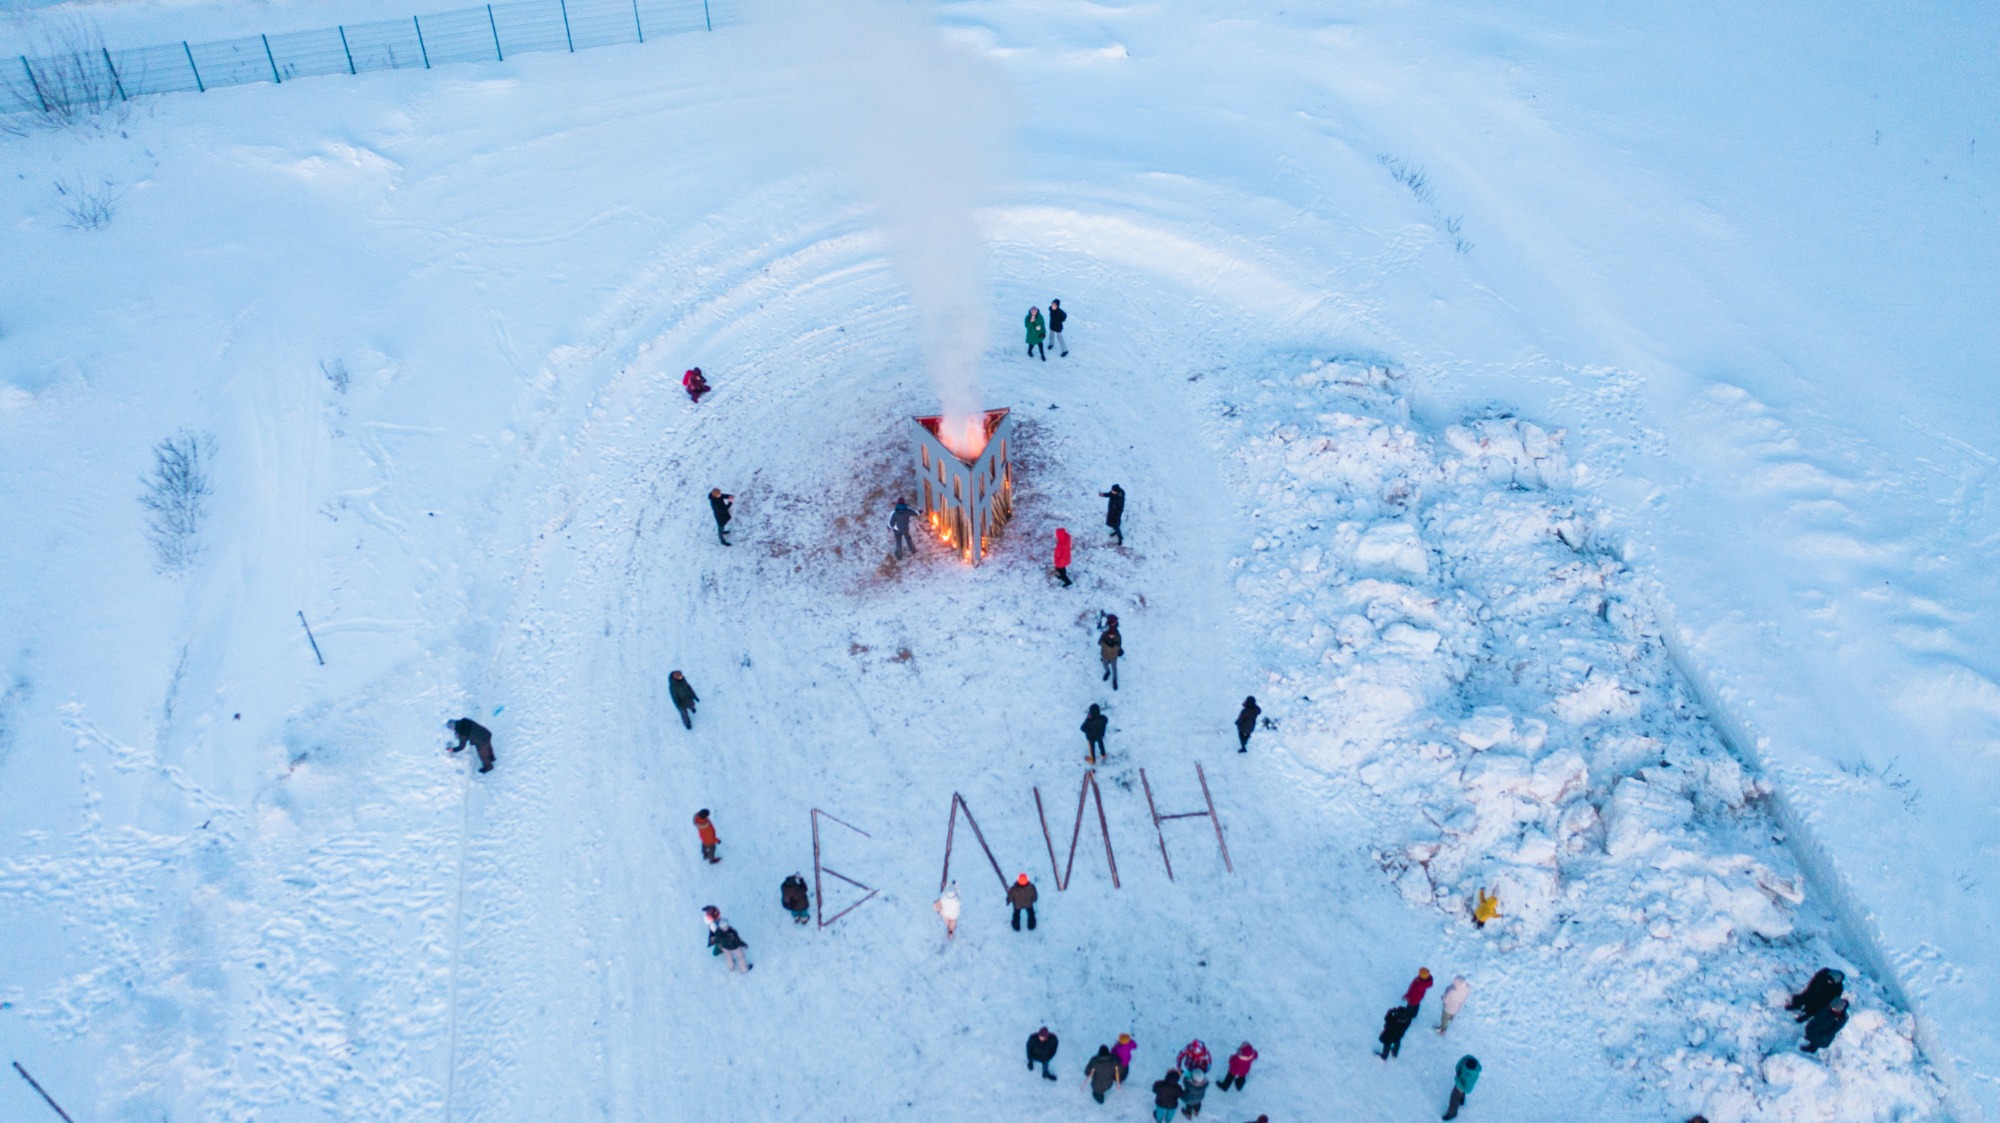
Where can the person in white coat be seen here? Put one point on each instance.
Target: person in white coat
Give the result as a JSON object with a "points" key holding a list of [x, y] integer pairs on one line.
{"points": [[947, 906], [1454, 1001]]}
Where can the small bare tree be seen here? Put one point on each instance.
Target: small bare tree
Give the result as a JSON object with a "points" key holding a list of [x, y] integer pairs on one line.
{"points": [[87, 207], [176, 498], [69, 78], [336, 374]]}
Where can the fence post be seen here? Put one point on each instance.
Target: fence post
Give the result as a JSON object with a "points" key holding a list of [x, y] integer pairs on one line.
{"points": [[704, 15], [116, 83], [34, 83], [498, 54], [273, 59], [636, 23], [198, 87], [567, 37], [344, 47], [420, 41]]}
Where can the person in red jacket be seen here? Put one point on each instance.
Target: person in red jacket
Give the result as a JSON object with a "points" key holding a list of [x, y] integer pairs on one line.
{"points": [[1239, 1067], [1419, 986], [1194, 1055], [696, 385], [1062, 556], [705, 827]]}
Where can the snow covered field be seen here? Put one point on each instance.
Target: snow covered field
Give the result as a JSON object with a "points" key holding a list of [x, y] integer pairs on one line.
{"points": [[1582, 454]]}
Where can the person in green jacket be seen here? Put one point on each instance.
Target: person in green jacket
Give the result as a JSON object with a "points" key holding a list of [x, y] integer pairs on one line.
{"points": [[1462, 1084], [1037, 331]]}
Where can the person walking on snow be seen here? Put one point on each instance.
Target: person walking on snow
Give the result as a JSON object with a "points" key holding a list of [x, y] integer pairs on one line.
{"points": [[1395, 1024], [1056, 319], [1062, 556], [709, 841], [1101, 1072], [1462, 1082], [695, 384], [1094, 724], [1022, 896], [684, 697], [1193, 1055], [1825, 986], [1453, 1001], [796, 899], [1041, 1050], [1824, 1026], [1485, 909], [1246, 723], [899, 524], [1239, 1067], [1123, 1051], [1110, 645], [947, 906], [718, 505], [1166, 1096], [1114, 511], [724, 939], [1194, 1087], [470, 732], [1036, 332], [1413, 997]]}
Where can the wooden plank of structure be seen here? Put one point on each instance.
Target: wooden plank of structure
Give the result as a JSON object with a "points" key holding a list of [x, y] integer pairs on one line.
{"points": [[819, 892], [1085, 791], [950, 832]]}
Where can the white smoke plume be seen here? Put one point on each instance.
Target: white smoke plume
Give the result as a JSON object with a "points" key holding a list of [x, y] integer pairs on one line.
{"points": [[916, 124]]}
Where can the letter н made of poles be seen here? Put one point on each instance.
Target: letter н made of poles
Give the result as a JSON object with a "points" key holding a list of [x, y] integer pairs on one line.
{"points": [[272, 59], [116, 82], [420, 41]]}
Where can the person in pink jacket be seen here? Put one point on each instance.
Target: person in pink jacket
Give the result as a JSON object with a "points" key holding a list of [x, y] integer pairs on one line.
{"points": [[1123, 1051], [1062, 556], [1239, 1067], [1454, 1001]]}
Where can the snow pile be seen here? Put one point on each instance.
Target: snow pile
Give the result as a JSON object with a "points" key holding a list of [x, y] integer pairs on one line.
{"points": [[1465, 652]]}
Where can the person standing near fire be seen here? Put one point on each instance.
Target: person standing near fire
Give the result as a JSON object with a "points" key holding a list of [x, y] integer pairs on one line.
{"points": [[1114, 512], [1036, 332], [1062, 556], [719, 505], [1110, 645], [1056, 318], [899, 523]]}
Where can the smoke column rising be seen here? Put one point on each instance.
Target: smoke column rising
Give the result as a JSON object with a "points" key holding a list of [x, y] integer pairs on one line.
{"points": [[916, 124]]}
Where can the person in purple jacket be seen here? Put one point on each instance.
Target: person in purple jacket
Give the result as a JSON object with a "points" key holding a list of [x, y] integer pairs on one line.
{"points": [[1123, 1051]]}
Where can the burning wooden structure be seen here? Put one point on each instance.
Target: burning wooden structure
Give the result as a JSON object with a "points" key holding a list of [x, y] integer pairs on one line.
{"points": [[966, 494]]}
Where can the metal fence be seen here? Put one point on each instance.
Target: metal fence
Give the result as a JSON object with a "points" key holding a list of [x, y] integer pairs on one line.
{"points": [[88, 78]]}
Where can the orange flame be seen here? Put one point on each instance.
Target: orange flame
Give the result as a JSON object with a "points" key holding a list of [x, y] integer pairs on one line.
{"points": [[964, 436]]}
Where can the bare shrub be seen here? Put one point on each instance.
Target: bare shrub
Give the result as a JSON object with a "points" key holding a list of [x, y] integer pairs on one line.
{"points": [[336, 374], [176, 498], [87, 207], [68, 80]]}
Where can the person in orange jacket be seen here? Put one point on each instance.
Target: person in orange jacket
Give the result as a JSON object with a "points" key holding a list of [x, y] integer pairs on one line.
{"points": [[709, 840], [1062, 556]]}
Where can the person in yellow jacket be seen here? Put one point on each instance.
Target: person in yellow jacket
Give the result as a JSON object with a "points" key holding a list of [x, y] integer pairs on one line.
{"points": [[1486, 908]]}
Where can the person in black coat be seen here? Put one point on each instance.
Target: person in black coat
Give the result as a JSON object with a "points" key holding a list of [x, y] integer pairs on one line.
{"points": [[1023, 895], [1102, 1072], [1246, 723], [1167, 1094], [1394, 1025], [793, 895], [1056, 319], [1825, 986], [899, 524], [470, 732], [1824, 1026], [1114, 511], [1041, 1050], [1093, 733], [718, 505], [682, 692]]}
